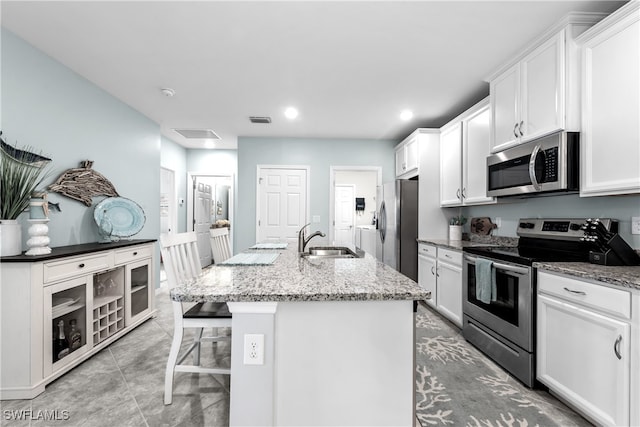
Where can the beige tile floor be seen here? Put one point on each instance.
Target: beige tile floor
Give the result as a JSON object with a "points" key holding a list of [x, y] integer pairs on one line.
{"points": [[123, 385]]}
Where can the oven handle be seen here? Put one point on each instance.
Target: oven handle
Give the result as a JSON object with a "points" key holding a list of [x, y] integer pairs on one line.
{"points": [[506, 267]]}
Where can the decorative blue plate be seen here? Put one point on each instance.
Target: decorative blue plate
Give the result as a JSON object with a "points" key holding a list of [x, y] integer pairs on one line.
{"points": [[126, 216]]}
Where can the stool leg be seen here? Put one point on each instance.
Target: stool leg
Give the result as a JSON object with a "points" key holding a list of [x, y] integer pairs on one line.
{"points": [[196, 350], [178, 332]]}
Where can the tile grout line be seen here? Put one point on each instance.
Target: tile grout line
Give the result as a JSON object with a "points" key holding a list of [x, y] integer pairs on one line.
{"points": [[128, 388]]}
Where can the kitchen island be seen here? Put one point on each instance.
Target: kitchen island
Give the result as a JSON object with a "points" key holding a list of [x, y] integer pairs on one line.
{"points": [[338, 339]]}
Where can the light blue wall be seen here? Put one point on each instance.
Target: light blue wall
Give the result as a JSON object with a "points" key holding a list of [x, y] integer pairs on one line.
{"points": [[319, 155], [47, 106], [174, 157], [567, 206]]}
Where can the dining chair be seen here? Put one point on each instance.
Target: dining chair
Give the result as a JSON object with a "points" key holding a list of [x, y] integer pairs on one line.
{"points": [[220, 247], [182, 265]]}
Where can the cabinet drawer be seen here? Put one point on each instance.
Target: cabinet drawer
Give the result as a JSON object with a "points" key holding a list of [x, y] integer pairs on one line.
{"points": [[58, 270], [602, 298], [428, 250], [450, 256], [133, 253]]}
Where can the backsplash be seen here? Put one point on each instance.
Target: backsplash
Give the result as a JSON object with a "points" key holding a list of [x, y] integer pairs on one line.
{"points": [[510, 211]]}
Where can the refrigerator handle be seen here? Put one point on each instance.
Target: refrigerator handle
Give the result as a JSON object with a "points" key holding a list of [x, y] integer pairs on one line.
{"points": [[383, 221]]}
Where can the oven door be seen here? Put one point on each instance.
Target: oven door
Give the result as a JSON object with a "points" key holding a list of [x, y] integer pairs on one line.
{"points": [[511, 314]]}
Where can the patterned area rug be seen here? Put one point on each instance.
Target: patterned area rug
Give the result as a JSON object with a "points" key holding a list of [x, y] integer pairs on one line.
{"points": [[457, 385]]}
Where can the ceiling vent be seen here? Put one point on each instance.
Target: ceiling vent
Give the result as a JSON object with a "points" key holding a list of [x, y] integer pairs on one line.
{"points": [[258, 119], [197, 133]]}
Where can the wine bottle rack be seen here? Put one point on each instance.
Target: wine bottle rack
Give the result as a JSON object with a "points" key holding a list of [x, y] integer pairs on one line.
{"points": [[108, 317]]}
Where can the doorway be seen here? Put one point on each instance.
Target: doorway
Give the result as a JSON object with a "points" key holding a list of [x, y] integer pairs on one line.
{"points": [[344, 227], [209, 205], [282, 202], [365, 180]]}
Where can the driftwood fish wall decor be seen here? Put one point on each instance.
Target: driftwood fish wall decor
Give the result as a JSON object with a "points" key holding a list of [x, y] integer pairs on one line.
{"points": [[83, 184]]}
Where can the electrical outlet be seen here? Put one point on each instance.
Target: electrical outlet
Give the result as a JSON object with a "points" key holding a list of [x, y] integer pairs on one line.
{"points": [[253, 349], [635, 225], [498, 222], [316, 219]]}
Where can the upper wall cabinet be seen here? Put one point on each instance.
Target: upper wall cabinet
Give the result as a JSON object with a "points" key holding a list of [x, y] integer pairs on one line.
{"points": [[610, 152], [464, 147], [407, 157], [538, 92]]}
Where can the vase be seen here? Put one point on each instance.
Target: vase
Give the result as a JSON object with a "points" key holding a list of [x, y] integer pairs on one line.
{"points": [[455, 232], [10, 237]]}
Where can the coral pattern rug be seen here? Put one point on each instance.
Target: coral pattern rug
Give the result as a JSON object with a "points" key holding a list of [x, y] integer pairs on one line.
{"points": [[456, 385]]}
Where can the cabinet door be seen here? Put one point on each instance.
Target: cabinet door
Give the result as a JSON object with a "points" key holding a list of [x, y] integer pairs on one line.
{"points": [[412, 155], [543, 89], [476, 146], [138, 291], [65, 304], [451, 166], [401, 165], [427, 277], [505, 109], [611, 107], [450, 291], [585, 357]]}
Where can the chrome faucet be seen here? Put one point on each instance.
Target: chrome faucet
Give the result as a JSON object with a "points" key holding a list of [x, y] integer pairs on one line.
{"points": [[303, 240]]}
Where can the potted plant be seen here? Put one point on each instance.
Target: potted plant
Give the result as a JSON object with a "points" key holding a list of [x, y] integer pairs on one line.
{"points": [[455, 227], [21, 173]]}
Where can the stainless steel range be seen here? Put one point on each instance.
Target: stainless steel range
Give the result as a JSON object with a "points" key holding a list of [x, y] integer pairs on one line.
{"points": [[499, 308]]}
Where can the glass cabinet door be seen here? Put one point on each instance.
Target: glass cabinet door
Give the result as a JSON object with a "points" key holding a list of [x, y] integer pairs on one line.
{"points": [[66, 322], [138, 290]]}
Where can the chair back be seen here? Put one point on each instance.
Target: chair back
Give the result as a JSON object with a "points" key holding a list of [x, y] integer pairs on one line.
{"points": [[180, 256], [220, 247]]}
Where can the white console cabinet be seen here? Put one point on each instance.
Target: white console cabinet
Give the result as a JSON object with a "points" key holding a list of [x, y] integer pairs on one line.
{"points": [[94, 293]]}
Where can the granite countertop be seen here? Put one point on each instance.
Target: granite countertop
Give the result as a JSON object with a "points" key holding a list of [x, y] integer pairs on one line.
{"points": [[623, 276], [471, 242], [292, 278]]}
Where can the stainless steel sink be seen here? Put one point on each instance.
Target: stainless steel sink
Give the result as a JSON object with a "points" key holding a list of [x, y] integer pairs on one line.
{"points": [[331, 252]]}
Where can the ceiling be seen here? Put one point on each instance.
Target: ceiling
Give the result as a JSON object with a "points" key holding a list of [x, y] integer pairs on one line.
{"points": [[349, 67]]}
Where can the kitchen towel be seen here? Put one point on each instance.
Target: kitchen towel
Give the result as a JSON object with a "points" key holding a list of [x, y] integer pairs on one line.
{"points": [[251, 259], [485, 280], [269, 246]]}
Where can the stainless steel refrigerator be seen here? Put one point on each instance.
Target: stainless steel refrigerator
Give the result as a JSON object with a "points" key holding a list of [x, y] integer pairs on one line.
{"points": [[397, 226]]}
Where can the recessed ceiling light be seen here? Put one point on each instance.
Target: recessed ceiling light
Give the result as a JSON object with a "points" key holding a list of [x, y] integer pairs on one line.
{"points": [[406, 115], [291, 113]]}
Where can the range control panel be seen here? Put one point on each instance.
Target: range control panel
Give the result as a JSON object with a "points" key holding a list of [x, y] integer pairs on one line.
{"points": [[558, 228]]}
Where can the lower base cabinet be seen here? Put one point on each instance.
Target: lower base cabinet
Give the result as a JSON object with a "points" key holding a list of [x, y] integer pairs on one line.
{"points": [[584, 347], [57, 311], [440, 272]]}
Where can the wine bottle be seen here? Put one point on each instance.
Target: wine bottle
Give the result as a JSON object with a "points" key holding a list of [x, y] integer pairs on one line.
{"points": [[60, 345], [75, 337]]}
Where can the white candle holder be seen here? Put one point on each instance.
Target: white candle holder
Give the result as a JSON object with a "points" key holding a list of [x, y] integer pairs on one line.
{"points": [[38, 242]]}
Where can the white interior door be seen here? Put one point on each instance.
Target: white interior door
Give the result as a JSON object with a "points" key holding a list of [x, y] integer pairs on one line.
{"points": [[282, 203], [168, 219], [344, 230], [202, 219]]}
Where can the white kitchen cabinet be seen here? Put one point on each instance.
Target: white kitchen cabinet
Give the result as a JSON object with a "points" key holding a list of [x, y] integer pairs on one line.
{"points": [[451, 165], [407, 157], [465, 145], [584, 347], [104, 290], [427, 271], [440, 271], [537, 93], [610, 152]]}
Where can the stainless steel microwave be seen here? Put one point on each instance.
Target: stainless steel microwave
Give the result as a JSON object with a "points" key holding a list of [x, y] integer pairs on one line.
{"points": [[548, 164]]}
